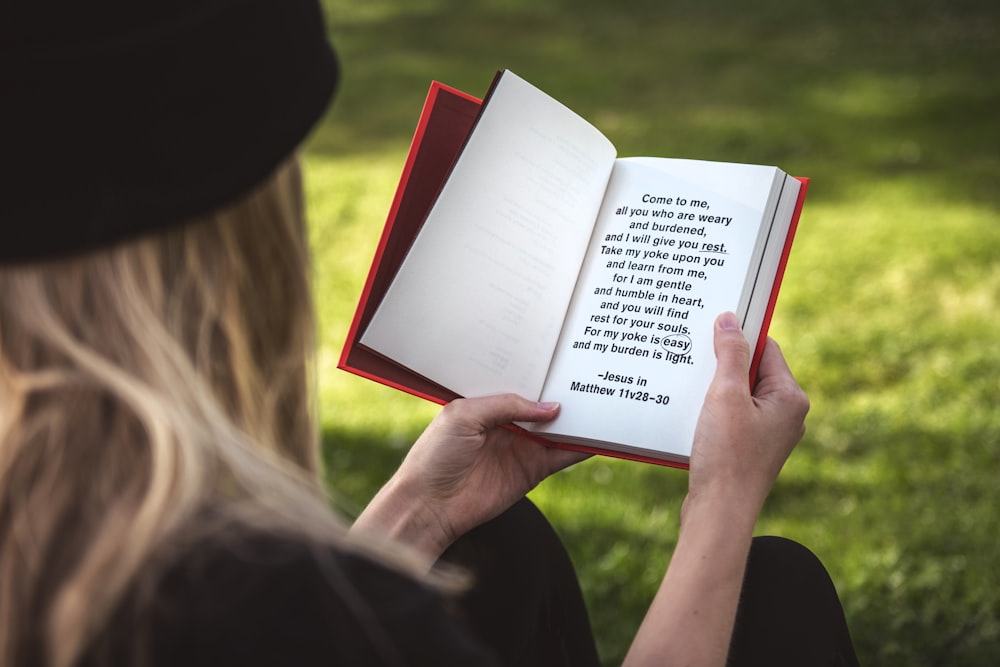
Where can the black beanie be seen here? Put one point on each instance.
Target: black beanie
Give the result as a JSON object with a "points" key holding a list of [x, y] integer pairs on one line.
{"points": [[120, 117]]}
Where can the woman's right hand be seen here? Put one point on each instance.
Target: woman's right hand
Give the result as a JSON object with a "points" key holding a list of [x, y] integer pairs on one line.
{"points": [[743, 439], [741, 443]]}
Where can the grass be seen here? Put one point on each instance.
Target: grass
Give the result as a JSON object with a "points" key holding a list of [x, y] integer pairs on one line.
{"points": [[889, 310]]}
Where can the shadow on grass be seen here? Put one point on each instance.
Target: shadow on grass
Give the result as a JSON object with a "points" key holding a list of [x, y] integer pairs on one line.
{"points": [[911, 528], [845, 95], [357, 465]]}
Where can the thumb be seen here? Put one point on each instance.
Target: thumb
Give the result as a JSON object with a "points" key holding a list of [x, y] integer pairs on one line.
{"points": [[732, 351], [499, 409]]}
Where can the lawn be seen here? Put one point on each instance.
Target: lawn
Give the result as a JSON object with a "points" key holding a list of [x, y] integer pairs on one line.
{"points": [[889, 310]]}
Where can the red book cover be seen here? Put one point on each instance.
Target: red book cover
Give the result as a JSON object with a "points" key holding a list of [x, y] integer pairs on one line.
{"points": [[446, 120]]}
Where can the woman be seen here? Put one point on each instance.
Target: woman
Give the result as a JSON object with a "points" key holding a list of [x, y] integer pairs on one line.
{"points": [[159, 502]]}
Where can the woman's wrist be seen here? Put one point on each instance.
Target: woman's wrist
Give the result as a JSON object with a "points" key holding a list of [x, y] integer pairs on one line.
{"points": [[730, 506], [398, 511]]}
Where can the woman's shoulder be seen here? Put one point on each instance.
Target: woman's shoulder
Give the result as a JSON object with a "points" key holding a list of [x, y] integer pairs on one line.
{"points": [[268, 600]]}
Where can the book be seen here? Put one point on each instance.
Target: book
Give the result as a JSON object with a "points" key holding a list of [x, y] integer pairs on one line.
{"points": [[520, 254]]}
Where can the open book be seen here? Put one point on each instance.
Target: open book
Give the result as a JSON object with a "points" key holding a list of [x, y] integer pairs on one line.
{"points": [[521, 255]]}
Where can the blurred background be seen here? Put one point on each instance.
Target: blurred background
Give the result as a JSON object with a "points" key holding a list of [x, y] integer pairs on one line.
{"points": [[889, 310]]}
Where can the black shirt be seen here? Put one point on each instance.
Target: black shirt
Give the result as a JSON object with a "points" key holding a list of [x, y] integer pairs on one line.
{"points": [[270, 601]]}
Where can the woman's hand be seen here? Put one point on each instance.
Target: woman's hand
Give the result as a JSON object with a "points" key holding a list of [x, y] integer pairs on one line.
{"points": [[743, 439], [741, 443], [465, 469]]}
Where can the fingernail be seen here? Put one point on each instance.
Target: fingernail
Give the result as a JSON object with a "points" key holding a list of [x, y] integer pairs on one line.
{"points": [[728, 321], [548, 406]]}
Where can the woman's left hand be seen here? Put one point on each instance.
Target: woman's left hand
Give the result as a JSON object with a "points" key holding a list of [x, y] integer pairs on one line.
{"points": [[465, 469]]}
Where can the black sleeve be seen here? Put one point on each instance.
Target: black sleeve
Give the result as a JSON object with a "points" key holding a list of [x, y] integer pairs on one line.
{"points": [[279, 603]]}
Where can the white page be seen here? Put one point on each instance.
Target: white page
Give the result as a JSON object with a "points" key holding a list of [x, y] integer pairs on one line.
{"points": [[786, 195], [651, 388], [478, 304]]}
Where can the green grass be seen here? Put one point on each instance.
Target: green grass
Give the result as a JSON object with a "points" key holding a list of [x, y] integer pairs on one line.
{"points": [[889, 310]]}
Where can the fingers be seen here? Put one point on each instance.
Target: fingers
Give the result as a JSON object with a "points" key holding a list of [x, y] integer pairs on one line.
{"points": [[776, 382], [563, 458], [772, 362]]}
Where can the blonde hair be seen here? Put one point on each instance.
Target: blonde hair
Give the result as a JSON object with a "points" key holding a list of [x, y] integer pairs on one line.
{"points": [[140, 385]]}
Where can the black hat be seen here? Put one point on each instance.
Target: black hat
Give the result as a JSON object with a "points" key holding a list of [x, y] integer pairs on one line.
{"points": [[118, 117]]}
